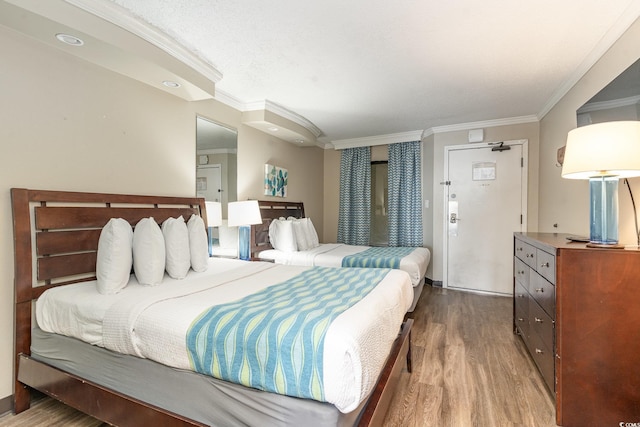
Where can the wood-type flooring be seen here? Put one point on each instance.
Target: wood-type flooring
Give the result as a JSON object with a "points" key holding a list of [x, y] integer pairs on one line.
{"points": [[469, 369]]}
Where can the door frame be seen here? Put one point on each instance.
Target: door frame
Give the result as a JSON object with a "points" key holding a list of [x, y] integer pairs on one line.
{"points": [[211, 166], [524, 171]]}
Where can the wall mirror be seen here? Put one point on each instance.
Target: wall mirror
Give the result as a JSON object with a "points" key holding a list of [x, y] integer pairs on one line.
{"points": [[216, 162], [619, 100]]}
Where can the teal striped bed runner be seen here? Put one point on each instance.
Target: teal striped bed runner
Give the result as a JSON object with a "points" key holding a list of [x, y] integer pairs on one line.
{"points": [[377, 257], [273, 340]]}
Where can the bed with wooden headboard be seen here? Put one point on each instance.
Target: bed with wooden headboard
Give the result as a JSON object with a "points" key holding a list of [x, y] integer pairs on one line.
{"points": [[55, 238], [414, 261], [270, 210]]}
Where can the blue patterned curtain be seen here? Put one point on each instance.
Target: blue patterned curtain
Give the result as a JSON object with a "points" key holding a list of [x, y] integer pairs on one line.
{"points": [[354, 215], [405, 194]]}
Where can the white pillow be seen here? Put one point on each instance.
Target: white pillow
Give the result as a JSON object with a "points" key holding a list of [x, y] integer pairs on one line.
{"points": [[228, 236], [115, 257], [302, 236], [313, 234], [198, 243], [282, 235], [176, 245], [148, 252]]}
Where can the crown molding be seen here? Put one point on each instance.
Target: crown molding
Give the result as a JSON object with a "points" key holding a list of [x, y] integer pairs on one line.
{"points": [[419, 135], [606, 105], [482, 124], [368, 141], [229, 100], [121, 17], [628, 17]]}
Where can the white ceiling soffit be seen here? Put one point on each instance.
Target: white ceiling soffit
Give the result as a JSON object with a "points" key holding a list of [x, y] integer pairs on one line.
{"points": [[109, 46], [122, 18], [276, 120]]}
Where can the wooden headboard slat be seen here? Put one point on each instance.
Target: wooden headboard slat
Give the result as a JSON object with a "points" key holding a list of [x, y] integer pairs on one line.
{"points": [[66, 265], [56, 218], [67, 227], [67, 241], [78, 197]]}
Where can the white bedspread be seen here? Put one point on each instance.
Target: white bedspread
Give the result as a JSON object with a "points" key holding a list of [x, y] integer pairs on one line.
{"points": [[152, 322], [331, 255]]}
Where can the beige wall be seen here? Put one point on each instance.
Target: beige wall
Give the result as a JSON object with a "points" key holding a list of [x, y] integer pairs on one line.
{"points": [[304, 164], [66, 124], [563, 201], [331, 195], [428, 179]]}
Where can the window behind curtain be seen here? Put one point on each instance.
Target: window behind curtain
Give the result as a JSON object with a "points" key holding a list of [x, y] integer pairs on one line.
{"points": [[379, 203]]}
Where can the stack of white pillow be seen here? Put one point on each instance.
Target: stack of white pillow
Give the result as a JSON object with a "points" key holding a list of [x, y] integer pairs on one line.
{"points": [[293, 234], [151, 250]]}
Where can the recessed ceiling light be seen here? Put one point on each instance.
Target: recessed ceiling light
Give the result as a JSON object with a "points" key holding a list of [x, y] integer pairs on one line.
{"points": [[69, 39], [273, 129], [169, 83], [300, 141]]}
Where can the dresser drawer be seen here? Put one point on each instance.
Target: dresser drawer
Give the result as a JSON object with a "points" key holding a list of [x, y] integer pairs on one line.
{"points": [[521, 272], [521, 302], [525, 252], [546, 265], [541, 324], [544, 359], [544, 293]]}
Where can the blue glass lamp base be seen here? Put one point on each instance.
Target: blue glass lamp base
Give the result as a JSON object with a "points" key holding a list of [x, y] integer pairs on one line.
{"points": [[244, 242], [603, 211], [210, 235]]}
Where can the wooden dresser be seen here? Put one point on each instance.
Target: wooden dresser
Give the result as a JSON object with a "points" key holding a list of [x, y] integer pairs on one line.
{"points": [[577, 310]]}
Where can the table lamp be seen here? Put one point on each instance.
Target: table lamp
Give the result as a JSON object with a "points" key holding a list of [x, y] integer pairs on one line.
{"points": [[603, 153], [214, 219], [244, 214]]}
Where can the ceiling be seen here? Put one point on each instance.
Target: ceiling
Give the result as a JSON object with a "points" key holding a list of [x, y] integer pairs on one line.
{"points": [[349, 70]]}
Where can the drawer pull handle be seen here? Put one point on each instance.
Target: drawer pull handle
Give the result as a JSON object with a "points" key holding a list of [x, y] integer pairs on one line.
{"points": [[521, 296], [520, 272], [543, 265], [538, 320], [520, 319], [538, 351], [520, 248], [541, 290]]}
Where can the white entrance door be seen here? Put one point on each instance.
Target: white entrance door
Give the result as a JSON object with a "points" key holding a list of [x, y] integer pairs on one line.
{"points": [[485, 203], [209, 182]]}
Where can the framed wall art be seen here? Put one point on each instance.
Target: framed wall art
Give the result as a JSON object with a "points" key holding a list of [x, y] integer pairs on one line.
{"points": [[275, 181]]}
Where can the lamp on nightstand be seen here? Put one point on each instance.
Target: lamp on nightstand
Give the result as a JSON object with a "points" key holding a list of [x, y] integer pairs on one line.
{"points": [[214, 219], [243, 215], [603, 153]]}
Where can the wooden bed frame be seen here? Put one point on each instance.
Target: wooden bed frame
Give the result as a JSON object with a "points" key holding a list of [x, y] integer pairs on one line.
{"points": [[270, 210], [56, 238]]}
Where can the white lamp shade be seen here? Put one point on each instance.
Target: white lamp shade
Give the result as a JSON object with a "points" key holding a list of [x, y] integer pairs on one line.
{"points": [[246, 212], [214, 213], [603, 149]]}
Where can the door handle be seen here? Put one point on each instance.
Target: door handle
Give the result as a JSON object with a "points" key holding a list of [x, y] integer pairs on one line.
{"points": [[453, 218]]}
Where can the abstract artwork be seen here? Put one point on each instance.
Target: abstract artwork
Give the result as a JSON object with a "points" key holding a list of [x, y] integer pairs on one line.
{"points": [[275, 181]]}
